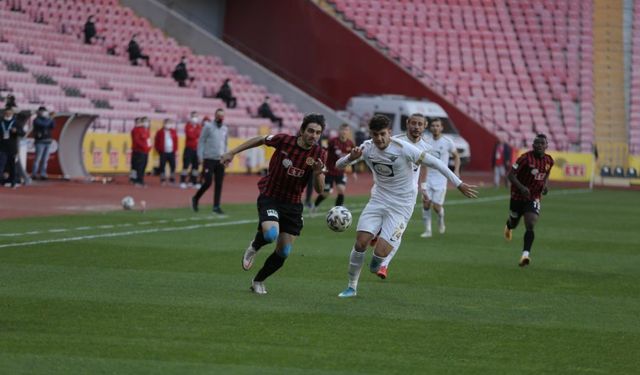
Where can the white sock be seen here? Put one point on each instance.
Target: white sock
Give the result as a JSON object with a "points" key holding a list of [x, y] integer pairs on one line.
{"points": [[441, 215], [525, 253], [356, 260], [426, 219], [387, 260]]}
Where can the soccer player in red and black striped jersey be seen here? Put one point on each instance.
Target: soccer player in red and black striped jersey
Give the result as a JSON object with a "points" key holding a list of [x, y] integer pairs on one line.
{"points": [[528, 176], [338, 147], [296, 159]]}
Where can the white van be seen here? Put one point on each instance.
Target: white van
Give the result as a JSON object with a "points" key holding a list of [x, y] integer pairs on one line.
{"points": [[398, 108]]}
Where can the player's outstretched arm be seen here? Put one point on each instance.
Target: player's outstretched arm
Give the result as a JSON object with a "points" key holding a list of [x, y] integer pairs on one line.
{"points": [[227, 157], [352, 157]]}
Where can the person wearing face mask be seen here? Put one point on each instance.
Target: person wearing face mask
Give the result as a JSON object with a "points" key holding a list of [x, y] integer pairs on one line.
{"points": [[10, 131], [190, 163], [42, 128], [166, 144], [140, 147], [211, 146]]}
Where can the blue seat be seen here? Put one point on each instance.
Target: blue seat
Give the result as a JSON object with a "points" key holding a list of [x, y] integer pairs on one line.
{"points": [[632, 172], [605, 171]]}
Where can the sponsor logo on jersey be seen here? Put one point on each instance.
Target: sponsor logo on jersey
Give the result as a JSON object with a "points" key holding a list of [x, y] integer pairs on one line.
{"points": [[295, 172], [383, 169]]}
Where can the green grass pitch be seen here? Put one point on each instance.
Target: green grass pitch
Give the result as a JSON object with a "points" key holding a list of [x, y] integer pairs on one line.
{"points": [[163, 293]]}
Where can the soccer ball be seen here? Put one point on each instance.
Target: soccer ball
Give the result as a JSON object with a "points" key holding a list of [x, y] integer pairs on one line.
{"points": [[128, 202], [339, 219]]}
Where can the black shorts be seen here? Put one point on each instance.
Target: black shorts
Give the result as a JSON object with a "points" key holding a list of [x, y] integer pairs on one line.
{"points": [[289, 215], [518, 208], [329, 180]]}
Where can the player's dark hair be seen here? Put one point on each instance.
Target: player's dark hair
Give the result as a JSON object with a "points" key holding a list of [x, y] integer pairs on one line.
{"points": [[540, 135], [379, 122], [433, 120], [312, 118], [418, 115]]}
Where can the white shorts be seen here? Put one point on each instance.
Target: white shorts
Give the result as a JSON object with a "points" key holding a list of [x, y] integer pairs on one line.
{"points": [[390, 222], [435, 194]]}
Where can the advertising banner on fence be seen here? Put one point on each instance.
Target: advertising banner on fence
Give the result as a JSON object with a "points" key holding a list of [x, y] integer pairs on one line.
{"points": [[111, 153], [570, 166]]}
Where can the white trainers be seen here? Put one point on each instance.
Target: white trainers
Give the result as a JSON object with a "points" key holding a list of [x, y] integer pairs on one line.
{"points": [[426, 234], [441, 227], [248, 257], [258, 287]]}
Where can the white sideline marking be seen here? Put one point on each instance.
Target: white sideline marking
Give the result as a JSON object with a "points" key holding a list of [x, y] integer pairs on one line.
{"points": [[314, 215], [128, 233]]}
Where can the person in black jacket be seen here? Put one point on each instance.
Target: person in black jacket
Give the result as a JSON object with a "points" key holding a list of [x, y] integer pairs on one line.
{"points": [[226, 95], [9, 134], [135, 52], [89, 30], [265, 111], [180, 73], [42, 128]]}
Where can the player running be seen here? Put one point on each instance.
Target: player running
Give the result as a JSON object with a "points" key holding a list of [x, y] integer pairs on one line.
{"points": [[435, 187], [338, 147], [528, 178], [393, 194], [414, 135]]}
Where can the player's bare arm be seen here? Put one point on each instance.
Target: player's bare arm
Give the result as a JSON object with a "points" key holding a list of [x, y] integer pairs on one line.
{"points": [[227, 157], [318, 173], [514, 180], [456, 162]]}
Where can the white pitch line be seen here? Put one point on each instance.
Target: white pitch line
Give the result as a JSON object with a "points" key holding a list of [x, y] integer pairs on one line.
{"points": [[217, 217], [128, 233]]}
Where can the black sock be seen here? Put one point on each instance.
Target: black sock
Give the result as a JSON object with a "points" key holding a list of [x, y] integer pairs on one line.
{"points": [[271, 265], [258, 240], [528, 240], [319, 200], [340, 200]]}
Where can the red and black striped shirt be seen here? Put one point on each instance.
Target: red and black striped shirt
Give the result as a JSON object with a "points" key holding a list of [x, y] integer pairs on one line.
{"points": [[290, 168], [335, 151], [532, 172]]}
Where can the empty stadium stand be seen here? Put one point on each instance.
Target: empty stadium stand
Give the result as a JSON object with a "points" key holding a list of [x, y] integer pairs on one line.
{"points": [[47, 63], [523, 65]]}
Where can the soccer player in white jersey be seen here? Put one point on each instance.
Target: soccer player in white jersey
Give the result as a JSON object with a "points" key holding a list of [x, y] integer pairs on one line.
{"points": [[435, 188], [393, 194], [416, 124]]}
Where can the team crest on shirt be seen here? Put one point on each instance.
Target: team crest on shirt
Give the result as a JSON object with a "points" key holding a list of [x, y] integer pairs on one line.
{"points": [[383, 169], [534, 171], [287, 163], [309, 161]]}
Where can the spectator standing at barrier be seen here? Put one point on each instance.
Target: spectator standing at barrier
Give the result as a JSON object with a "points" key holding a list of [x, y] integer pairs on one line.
{"points": [[140, 147], [180, 73], [89, 30], [226, 94], [135, 52], [501, 162], [10, 132], [190, 163], [10, 102], [265, 111], [211, 146], [166, 144], [43, 126]]}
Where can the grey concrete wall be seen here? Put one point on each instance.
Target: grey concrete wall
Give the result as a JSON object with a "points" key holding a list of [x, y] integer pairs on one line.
{"points": [[202, 42], [208, 14]]}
